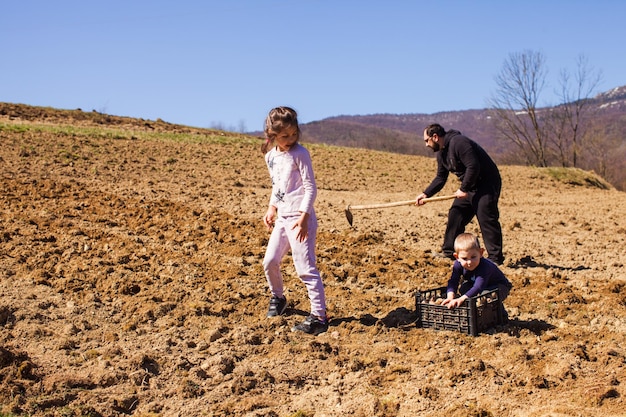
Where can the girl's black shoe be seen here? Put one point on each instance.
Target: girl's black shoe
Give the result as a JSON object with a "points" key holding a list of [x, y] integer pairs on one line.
{"points": [[311, 325], [277, 306]]}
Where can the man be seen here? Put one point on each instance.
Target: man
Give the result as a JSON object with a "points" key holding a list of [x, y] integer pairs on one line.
{"points": [[478, 194]]}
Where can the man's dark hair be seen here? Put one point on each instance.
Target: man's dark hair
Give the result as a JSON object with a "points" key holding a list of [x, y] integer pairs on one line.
{"points": [[435, 128]]}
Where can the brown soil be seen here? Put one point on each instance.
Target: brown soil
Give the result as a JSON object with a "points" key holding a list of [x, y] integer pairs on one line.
{"points": [[131, 284]]}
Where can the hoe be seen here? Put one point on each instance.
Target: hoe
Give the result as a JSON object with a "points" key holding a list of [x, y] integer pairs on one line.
{"points": [[393, 204]]}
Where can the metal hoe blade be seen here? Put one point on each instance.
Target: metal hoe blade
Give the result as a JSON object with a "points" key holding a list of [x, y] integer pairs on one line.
{"points": [[349, 215]]}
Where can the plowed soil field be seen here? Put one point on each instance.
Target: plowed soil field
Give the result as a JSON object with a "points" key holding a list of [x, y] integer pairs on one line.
{"points": [[131, 283]]}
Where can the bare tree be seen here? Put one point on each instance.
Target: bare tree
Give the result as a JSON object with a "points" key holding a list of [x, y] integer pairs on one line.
{"points": [[217, 126], [571, 117], [605, 154], [514, 104], [241, 126]]}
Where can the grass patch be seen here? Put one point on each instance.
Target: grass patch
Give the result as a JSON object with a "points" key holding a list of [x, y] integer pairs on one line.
{"points": [[103, 132], [301, 413], [576, 176]]}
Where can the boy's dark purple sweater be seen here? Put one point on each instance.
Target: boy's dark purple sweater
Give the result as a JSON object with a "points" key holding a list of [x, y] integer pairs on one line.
{"points": [[486, 276]]}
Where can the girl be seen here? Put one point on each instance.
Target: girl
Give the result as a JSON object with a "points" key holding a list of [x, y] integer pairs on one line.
{"points": [[291, 217]]}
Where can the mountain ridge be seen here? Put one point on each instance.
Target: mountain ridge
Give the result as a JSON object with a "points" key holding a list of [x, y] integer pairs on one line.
{"points": [[402, 133], [473, 122]]}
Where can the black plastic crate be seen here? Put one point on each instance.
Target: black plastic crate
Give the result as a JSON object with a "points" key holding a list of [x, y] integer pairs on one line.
{"points": [[475, 315]]}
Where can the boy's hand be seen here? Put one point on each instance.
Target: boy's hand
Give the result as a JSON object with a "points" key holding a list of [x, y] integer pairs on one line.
{"points": [[449, 298], [453, 303]]}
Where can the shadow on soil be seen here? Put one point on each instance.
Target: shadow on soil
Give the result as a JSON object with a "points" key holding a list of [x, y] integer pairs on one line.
{"points": [[529, 262], [396, 318]]}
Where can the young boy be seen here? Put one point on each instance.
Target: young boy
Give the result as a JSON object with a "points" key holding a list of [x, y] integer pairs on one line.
{"points": [[479, 274]]}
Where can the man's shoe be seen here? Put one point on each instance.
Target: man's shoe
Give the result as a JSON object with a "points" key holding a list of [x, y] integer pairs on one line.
{"points": [[277, 306], [311, 325], [441, 255]]}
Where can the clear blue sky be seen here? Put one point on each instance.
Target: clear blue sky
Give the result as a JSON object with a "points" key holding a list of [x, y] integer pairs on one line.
{"points": [[227, 63]]}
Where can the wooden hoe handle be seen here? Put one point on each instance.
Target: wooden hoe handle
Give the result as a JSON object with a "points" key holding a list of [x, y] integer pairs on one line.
{"points": [[399, 203]]}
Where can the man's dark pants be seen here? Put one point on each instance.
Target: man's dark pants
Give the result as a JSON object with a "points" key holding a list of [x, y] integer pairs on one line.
{"points": [[484, 205]]}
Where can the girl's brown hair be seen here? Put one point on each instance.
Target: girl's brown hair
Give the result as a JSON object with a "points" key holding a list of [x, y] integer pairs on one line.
{"points": [[278, 120]]}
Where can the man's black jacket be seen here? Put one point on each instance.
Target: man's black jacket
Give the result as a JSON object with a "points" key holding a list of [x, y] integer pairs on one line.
{"points": [[467, 160]]}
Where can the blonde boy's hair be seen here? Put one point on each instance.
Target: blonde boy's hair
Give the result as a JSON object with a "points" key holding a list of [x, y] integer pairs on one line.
{"points": [[465, 242]]}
